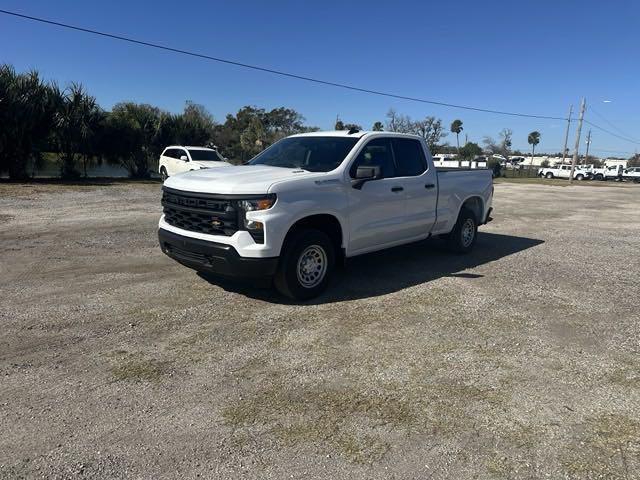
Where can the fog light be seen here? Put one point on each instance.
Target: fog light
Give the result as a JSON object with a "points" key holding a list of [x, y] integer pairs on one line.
{"points": [[253, 225]]}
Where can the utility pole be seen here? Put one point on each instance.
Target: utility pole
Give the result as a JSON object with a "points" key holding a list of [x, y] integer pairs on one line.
{"points": [[583, 105], [566, 134], [586, 155]]}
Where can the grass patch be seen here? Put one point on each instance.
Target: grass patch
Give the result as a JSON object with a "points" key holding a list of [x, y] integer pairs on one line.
{"points": [[354, 423], [609, 448], [140, 370]]}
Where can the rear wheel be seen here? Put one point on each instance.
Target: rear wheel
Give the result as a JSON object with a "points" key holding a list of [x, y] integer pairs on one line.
{"points": [[463, 236], [306, 265], [549, 175], [163, 174]]}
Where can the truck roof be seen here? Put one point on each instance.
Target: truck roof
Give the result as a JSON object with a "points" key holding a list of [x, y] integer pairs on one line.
{"points": [[190, 147], [345, 133]]}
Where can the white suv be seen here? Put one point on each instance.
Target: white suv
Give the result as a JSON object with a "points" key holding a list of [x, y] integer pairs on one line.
{"points": [[177, 159]]}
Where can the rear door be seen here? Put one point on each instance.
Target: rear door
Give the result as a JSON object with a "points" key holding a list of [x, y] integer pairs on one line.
{"points": [[377, 210], [182, 165], [168, 161], [420, 186]]}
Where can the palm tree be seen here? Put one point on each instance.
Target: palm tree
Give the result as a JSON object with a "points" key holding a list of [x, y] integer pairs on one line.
{"points": [[78, 118], [456, 127], [533, 139], [27, 109]]}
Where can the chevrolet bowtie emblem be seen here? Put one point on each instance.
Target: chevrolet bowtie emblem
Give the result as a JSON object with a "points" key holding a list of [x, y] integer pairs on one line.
{"points": [[216, 222]]}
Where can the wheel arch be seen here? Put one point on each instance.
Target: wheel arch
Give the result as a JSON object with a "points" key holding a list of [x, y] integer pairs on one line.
{"points": [[475, 203], [325, 222]]}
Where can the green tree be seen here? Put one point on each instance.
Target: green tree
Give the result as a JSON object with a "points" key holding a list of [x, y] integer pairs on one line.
{"points": [[27, 114], [377, 127], [470, 151], [533, 139], [134, 137], [456, 127], [196, 126], [253, 138], [77, 120]]}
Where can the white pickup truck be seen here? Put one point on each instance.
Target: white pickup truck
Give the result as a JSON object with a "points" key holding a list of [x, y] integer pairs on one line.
{"points": [[311, 200], [632, 174], [612, 172], [564, 171]]}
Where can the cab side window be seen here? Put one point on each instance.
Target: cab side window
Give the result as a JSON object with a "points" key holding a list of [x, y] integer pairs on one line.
{"points": [[376, 153], [410, 159]]}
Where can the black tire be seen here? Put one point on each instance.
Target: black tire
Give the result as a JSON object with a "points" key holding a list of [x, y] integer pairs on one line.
{"points": [[600, 177], [549, 175], [459, 240], [580, 177], [320, 254], [163, 174]]}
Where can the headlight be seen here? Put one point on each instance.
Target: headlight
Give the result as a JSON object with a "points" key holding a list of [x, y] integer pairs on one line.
{"points": [[255, 228], [258, 203]]}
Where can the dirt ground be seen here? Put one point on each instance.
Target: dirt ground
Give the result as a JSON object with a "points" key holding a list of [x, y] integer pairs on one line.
{"points": [[520, 360]]}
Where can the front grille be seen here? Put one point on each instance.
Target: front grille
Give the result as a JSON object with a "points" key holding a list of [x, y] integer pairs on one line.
{"points": [[200, 212]]}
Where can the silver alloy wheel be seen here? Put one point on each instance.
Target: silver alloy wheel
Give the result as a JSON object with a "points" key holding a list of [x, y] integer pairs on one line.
{"points": [[312, 266], [468, 232]]}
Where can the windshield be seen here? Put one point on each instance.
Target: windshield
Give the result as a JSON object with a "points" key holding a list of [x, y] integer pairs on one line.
{"points": [[315, 154], [206, 155]]}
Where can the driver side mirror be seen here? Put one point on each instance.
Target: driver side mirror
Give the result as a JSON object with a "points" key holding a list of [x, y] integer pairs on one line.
{"points": [[184, 158], [365, 174]]}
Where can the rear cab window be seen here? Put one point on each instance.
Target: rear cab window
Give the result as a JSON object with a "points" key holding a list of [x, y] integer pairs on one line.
{"points": [[410, 158]]}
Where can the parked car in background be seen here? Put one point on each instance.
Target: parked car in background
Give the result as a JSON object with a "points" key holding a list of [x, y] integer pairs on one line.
{"points": [[613, 172], [178, 159], [564, 171], [632, 174], [308, 201]]}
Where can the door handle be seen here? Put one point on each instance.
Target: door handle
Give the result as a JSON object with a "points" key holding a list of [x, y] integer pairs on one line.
{"points": [[429, 185], [397, 189]]}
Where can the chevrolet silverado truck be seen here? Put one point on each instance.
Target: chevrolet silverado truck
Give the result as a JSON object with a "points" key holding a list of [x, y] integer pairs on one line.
{"points": [[312, 200]]}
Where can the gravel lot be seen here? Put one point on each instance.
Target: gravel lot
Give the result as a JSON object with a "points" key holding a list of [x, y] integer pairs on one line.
{"points": [[520, 360]]}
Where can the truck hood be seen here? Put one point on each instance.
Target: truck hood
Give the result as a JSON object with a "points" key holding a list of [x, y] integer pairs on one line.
{"points": [[210, 163], [250, 179]]}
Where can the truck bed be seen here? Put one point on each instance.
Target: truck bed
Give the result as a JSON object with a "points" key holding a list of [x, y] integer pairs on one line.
{"points": [[455, 185]]}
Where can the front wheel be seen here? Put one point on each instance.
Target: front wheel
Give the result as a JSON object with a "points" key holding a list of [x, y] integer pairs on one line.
{"points": [[163, 174], [463, 236], [549, 175], [306, 264], [580, 177]]}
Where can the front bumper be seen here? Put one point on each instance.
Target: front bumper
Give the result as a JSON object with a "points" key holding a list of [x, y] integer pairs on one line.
{"points": [[212, 257]]}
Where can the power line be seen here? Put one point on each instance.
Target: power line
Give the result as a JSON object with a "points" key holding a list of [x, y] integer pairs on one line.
{"points": [[271, 70], [612, 125], [611, 133]]}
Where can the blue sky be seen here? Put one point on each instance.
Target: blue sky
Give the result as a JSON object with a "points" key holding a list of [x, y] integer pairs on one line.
{"points": [[533, 57]]}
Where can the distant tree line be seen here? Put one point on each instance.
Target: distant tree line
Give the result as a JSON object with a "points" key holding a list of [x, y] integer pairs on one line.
{"points": [[38, 116]]}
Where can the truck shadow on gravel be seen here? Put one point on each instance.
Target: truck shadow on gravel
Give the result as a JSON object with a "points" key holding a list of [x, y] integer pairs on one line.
{"points": [[391, 270]]}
